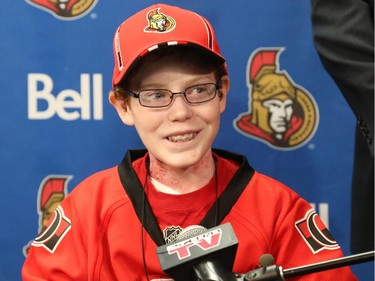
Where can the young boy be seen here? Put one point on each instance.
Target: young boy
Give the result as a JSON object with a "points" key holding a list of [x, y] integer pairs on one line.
{"points": [[171, 82]]}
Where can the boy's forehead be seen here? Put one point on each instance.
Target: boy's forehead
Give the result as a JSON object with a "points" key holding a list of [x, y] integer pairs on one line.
{"points": [[162, 68], [174, 59]]}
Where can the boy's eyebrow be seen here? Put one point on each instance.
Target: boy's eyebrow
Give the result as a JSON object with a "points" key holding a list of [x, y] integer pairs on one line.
{"points": [[187, 83]]}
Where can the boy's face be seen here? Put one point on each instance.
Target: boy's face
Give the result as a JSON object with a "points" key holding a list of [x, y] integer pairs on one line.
{"points": [[182, 134]]}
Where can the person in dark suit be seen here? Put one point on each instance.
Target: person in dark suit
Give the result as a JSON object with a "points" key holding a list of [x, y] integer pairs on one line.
{"points": [[343, 33]]}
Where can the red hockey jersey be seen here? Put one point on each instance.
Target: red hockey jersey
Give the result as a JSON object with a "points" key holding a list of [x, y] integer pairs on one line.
{"points": [[104, 229]]}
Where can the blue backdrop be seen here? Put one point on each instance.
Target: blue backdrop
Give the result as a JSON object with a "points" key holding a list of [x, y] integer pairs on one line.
{"points": [[57, 124]]}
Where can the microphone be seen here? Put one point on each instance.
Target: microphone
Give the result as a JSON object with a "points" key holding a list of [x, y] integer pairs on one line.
{"points": [[270, 272], [267, 272], [201, 254], [266, 260]]}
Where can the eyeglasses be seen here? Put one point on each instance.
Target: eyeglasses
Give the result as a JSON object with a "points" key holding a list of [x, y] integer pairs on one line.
{"points": [[157, 98]]}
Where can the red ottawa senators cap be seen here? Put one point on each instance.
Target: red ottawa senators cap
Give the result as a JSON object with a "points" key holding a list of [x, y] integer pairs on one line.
{"points": [[160, 26]]}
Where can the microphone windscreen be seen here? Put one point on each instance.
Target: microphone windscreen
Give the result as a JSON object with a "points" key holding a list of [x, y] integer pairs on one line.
{"points": [[266, 260], [190, 231]]}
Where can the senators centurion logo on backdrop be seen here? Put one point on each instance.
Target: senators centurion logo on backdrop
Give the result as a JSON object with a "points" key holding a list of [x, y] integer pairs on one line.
{"points": [[281, 113], [65, 9]]}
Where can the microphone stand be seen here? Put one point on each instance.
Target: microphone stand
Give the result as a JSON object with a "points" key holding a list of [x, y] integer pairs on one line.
{"points": [[276, 273]]}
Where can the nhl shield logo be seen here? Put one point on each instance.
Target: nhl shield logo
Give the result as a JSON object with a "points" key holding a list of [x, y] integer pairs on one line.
{"points": [[65, 9], [171, 233]]}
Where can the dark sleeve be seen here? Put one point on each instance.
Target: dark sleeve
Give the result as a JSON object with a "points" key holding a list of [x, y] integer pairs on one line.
{"points": [[343, 33]]}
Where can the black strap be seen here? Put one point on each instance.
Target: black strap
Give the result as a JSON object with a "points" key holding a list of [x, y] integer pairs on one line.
{"points": [[232, 192], [228, 198], [135, 191]]}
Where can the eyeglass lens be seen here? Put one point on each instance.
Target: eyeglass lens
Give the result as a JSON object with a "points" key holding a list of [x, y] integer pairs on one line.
{"points": [[162, 97]]}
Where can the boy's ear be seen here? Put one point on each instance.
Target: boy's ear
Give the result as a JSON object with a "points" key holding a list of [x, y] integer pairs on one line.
{"points": [[122, 109], [223, 91]]}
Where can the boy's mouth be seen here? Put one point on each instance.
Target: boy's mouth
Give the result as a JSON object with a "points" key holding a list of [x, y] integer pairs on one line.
{"points": [[182, 138]]}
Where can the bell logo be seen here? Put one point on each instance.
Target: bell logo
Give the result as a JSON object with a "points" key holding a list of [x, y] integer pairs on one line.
{"points": [[68, 104]]}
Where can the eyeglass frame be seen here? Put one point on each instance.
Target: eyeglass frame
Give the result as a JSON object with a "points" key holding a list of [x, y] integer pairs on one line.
{"points": [[137, 95]]}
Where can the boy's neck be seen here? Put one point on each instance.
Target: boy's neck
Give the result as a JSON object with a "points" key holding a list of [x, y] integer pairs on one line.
{"points": [[182, 180]]}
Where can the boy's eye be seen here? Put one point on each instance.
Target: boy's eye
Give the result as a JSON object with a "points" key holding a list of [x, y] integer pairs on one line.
{"points": [[198, 90], [155, 95]]}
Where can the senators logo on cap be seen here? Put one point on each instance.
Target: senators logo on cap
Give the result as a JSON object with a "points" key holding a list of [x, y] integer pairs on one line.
{"points": [[159, 22], [65, 9], [281, 113]]}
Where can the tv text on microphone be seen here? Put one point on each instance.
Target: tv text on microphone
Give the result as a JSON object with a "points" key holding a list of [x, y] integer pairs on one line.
{"points": [[207, 256]]}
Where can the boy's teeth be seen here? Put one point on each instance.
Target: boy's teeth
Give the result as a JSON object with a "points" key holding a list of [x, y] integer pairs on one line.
{"points": [[181, 138]]}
